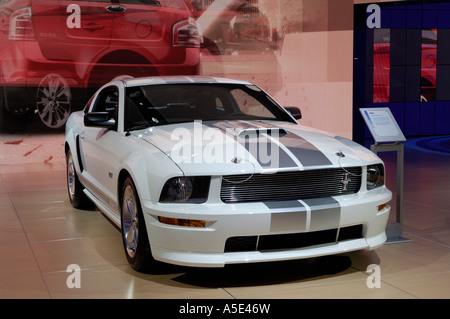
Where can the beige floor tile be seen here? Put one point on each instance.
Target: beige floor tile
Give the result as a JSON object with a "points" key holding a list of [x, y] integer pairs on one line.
{"points": [[77, 225], [33, 181], [419, 256], [38, 196], [55, 165], [11, 229], [17, 260], [345, 290], [7, 211], [85, 252], [425, 286], [441, 237], [23, 287], [122, 282], [4, 199], [422, 220], [2, 187], [43, 210], [415, 257]]}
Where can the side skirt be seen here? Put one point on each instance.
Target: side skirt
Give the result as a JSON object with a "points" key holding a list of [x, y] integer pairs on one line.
{"points": [[104, 209]]}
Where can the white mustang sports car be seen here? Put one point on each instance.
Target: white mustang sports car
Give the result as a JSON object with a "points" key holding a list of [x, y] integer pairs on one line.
{"points": [[203, 171]]}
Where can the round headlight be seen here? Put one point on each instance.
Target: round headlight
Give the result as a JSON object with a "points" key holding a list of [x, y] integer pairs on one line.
{"points": [[180, 189], [375, 176]]}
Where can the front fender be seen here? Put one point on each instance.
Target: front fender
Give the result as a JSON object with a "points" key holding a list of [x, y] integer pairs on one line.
{"points": [[73, 130], [149, 171]]}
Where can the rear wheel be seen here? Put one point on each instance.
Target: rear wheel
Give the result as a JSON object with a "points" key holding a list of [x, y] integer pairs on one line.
{"points": [[134, 231], [54, 100]]}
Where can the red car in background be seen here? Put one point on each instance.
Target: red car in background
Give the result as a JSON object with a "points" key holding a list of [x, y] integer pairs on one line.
{"points": [[382, 65], [50, 49]]}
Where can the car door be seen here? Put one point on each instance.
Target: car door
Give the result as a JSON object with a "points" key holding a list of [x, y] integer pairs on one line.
{"points": [[78, 32], [100, 150]]}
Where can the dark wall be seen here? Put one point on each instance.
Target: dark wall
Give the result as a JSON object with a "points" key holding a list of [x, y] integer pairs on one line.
{"points": [[421, 109]]}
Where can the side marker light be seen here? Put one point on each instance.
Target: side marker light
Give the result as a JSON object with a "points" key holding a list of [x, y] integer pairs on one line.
{"points": [[182, 222]]}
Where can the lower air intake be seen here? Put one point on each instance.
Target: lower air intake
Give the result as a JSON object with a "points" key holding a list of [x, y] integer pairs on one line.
{"points": [[292, 241]]}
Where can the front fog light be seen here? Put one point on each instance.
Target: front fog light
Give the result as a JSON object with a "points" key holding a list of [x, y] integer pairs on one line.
{"points": [[375, 176]]}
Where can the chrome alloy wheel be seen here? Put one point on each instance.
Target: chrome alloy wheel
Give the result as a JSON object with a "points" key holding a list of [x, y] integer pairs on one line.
{"points": [[130, 224], [53, 100], [75, 189], [71, 176]]}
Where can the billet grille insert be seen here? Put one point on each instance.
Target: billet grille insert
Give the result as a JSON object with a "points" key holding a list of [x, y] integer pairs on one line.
{"points": [[290, 185]]}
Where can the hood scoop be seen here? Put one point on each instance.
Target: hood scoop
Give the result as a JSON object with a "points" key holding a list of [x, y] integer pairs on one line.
{"points": [[257, 131]]}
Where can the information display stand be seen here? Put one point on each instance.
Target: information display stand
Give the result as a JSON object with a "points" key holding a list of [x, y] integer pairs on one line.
{"points": [[389, 137]]}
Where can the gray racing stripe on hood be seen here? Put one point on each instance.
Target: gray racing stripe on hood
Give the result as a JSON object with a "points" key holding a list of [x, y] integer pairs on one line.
{"points": [[262, 147], [304, 151], [294, 149]]}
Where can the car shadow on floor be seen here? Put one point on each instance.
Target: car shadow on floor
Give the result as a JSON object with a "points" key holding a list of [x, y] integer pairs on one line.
{"points": [[268, 273]]}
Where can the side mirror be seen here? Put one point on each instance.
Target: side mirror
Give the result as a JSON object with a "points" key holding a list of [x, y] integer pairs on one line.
{"points": [[295, 112], [99, 119]]}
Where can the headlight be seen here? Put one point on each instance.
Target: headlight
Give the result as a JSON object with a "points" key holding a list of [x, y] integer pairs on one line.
{"points": [[185, 189], [375, 176], [179, 189]]}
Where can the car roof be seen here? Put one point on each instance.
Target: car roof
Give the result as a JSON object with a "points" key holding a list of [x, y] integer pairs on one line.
{"points": [[180, 79]]}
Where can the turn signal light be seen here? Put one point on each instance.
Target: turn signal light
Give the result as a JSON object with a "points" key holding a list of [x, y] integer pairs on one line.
{"points": [[182, 222], [381, 207]]}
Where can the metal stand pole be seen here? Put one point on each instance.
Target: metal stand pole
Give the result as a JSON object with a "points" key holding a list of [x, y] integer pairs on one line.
{"points": [[394, 231]]}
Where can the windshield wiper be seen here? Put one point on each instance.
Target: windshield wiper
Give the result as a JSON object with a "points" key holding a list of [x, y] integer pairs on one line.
{"points": [[137, 127]]}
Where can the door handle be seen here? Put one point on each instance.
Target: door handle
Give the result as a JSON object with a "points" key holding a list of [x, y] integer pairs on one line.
{"points": [[115, 8], [93, 27], [82, 135]]}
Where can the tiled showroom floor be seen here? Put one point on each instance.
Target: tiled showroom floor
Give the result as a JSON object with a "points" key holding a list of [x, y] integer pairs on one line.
{"points": [[41, 235]]}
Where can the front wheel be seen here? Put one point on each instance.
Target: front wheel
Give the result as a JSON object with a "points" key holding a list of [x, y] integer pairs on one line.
{"points": [[77, 197], [134, 231]]}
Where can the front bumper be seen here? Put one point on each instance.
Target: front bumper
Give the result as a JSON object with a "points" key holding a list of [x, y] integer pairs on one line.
{"points": [[205, 247]]}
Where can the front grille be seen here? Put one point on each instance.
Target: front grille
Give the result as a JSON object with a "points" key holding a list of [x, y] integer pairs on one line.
{"points": [[290, 185], [292, 241]]}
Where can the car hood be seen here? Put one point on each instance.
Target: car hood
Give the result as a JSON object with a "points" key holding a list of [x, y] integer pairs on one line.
{"points": [[246, 147]]}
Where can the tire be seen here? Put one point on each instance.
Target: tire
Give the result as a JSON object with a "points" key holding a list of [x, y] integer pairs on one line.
{"points": [[77, 197], [134, 231]]}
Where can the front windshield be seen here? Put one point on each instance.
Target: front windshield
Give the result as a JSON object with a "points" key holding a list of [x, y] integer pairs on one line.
{"points": [[154, 105]]}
